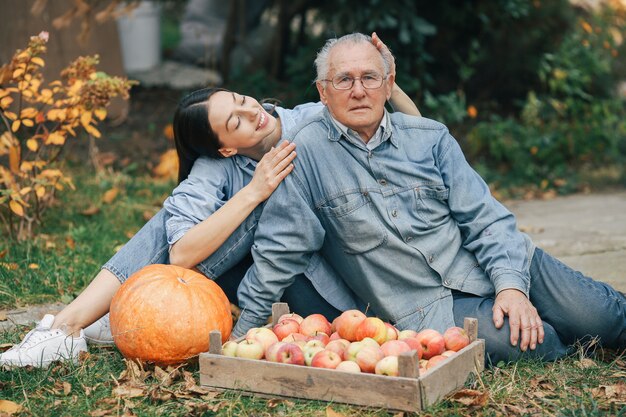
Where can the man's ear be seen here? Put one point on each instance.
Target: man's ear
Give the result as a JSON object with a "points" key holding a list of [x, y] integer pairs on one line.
{"points": [[227, 152], [321, 90], [391, 79]]}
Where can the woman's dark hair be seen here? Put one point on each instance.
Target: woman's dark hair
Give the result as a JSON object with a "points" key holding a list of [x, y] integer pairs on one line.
{"points": [[193, 134]]}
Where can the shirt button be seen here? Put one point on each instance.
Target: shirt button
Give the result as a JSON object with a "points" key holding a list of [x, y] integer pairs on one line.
{"points": [[365, 193], [383, 182], [394, 213], [408, 239], [446, 282], [430, 259]]}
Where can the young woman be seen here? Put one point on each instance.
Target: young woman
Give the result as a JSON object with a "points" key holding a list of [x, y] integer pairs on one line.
{"points": [[209, 220]]}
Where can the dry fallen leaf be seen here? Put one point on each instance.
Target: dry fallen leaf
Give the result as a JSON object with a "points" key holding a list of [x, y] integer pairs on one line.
{"points": [[332, 413], [110, 195], [168, 165], [91, 210], [275, 402], [617, 392], [470, 397], [3, 315], [9, 407], [585, 363], [129, 391]]}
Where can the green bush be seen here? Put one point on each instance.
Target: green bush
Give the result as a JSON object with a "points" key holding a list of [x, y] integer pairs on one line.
{"points": [[574, 122]]}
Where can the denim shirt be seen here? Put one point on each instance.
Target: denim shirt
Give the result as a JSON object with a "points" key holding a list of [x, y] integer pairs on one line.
{"points": [[211, 183], [402, 224]]}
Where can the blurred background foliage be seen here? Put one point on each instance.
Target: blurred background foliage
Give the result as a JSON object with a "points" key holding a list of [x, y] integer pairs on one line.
{"points": [[530, 88]]}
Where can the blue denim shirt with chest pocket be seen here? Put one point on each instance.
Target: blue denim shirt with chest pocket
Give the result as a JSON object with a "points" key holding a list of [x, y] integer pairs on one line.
{"points": [[211, 183], [402, 224]]}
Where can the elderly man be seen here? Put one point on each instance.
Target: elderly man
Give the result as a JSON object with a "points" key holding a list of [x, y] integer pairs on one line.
{"points": [[413, 230]]}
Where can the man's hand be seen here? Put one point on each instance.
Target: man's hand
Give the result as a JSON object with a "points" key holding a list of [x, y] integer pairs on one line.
{"points": [[385, 52], [523, 317]]}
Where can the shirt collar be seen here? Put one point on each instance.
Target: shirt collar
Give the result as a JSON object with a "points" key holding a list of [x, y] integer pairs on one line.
{"points": [[383, 132], [243, 161]]}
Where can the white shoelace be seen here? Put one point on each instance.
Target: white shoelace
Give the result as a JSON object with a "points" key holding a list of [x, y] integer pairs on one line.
{"points": [[37, 335]]}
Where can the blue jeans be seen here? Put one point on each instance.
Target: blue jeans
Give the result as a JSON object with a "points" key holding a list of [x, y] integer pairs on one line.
{"points": [[573, 308], [149, 246]]}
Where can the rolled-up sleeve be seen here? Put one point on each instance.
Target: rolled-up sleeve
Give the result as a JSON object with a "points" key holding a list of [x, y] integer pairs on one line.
{"points": [[488, 229], [287, 236], [196, 198]]}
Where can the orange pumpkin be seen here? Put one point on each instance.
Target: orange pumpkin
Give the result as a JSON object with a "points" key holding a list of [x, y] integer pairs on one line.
{"points": [[164, 314]]}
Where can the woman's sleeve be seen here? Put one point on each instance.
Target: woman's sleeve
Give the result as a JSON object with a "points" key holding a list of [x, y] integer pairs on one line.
{"points": [[196, 198]]}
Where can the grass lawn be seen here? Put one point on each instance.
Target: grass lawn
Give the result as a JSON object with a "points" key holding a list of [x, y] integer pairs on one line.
{"points": [[81, 232]]}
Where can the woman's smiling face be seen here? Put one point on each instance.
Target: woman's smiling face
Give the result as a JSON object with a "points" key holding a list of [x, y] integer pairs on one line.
{"points": [[242, 125]]}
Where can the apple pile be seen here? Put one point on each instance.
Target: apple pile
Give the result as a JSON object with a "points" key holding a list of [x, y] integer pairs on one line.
{"points": [[353, 342]]}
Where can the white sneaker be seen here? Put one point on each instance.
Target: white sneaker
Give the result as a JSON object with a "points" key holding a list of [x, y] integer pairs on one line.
{"points": [[99, 333], [43, 345]]}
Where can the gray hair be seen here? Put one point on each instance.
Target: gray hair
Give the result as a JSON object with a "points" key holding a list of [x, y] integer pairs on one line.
{"points": [[321, 62]]}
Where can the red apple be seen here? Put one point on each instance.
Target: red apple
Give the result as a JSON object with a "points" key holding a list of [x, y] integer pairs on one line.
{"points": [[387, 366], [322, 337], [455, 338], [314, 324], [270, 353], [348, 366], [394, 347], [353, 348], [326, 359], [347, 323], [310, 352], [295, 337], [315, 343], [334, 336], [290, 353], [367, 357], [448, 353], [432, 343], [250, 349], [406, 333], [414, 344], [372, 327], [291, 316], [286, 327], [264, 335], [392, 332], [370, 342], [432, 362], [229, 348], [338, 346]]}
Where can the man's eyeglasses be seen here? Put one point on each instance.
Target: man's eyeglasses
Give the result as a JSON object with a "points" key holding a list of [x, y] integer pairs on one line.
{"points": [[346, 82]]}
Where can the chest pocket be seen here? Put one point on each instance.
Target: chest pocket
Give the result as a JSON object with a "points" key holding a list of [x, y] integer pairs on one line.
{"points": [[432, 204], [354, 224]]}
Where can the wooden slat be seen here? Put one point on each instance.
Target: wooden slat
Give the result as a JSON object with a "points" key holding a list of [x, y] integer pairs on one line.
{"points": [[408, 364], [471, 327], [451, 374], [278, 309], [310, 383], [215, 342]]}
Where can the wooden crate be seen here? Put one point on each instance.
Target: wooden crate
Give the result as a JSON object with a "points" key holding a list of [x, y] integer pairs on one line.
{"points": [[407, 392]]}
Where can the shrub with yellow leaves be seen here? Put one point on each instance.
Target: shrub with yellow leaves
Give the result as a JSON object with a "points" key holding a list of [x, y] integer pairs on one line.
{"points": [[36, 121]]}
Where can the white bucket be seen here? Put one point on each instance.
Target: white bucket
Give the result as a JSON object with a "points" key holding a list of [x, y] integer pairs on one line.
{"points": [[140, 37]]}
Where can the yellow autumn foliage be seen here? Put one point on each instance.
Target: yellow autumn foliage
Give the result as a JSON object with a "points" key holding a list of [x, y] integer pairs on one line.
{"points": [[37, 120]]}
